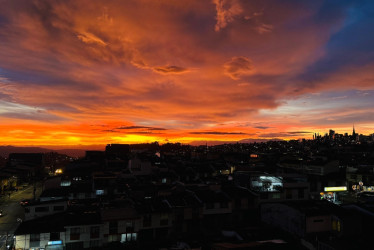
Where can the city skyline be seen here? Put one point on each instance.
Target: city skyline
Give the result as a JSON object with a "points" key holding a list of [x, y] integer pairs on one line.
{"points": [[91, 73]]}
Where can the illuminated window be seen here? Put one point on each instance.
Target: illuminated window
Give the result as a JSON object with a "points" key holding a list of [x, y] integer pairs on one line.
{"points": [[99, 192], [334, 225], [164, 219], [112, 237], [128, 237], [65, 183], [276, 196]]}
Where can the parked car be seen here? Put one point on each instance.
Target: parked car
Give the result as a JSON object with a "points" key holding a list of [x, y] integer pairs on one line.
{"points": [[24, 202]]}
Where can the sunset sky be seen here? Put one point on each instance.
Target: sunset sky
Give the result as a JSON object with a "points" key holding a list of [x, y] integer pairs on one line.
{"points": [[93, 72]]}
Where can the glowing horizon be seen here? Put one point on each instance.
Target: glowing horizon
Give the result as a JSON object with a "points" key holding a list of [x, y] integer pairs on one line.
{"points": [[95, 73]]}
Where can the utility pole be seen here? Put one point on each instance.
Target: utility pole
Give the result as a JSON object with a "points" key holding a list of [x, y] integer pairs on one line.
{"points": [[6, 240], [34, 191]]}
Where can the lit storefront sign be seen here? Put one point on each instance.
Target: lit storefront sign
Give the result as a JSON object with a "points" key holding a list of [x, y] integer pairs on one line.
{"points": [[332, 193], [335, 189], [55, 242]]}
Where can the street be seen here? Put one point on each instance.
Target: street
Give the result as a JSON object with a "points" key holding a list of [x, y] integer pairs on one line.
{"points": [[13, 213]]}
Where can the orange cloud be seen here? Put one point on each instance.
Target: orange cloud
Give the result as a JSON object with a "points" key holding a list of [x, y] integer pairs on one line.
{"points": [[238, 66], [170, 70], [227, 10], [185, 66]]}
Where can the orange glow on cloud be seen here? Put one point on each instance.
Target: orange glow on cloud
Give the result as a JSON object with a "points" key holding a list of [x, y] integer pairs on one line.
{"points": [[94, 72]]}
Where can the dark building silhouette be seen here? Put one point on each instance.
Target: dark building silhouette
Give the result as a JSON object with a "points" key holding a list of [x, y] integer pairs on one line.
{"points": [[121, 151]]}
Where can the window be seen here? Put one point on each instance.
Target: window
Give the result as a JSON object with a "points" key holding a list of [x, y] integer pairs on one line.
{"points": [[147, 220], [129, 226], [95, 232], [34, 240], [74, 233], [250, 201], [224, 204], [133, 236], [275, 196], [288, 194], [195, 213], [74, 245], [209, 205], [128, 237], [300, 193], [179, 216], [238, 203], [164, 219], [313, 186], [112, 237], [94, 243], [65, 183], [99, 192], [58, 208], [41, 209], [335, 224], [113, 227], [54, 236], [34, 237]]}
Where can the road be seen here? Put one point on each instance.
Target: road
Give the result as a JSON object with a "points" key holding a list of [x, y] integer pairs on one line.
{"points": [[13, 212]]}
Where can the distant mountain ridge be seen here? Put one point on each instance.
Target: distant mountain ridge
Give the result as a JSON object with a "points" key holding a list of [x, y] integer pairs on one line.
{"points": [[6, 150], [79, 152]]}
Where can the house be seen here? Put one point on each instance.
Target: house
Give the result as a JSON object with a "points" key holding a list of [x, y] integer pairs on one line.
{"points": [[217, 208], [65, 230], [310, 220], [156, 220], [121, 222], [37, 209]]}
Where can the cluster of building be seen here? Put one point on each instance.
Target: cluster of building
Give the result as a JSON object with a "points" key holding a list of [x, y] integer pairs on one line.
{"points": [[332, 136], [310, 194]]}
